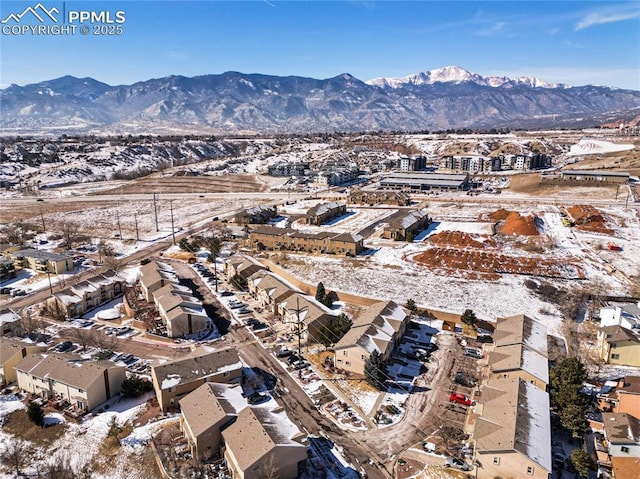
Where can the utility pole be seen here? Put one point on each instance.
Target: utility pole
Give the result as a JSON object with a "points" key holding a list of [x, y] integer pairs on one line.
{"points": [[135, 218], [155, 211], [119, 227], [44, 228], [49, 277], [173, 230]]}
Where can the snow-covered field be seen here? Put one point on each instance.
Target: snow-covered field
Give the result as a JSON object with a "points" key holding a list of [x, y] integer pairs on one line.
{"points": [[386, 272]]}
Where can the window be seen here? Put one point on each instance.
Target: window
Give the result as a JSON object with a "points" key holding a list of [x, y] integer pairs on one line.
{"points": [[530, 471], [225, 374], [345, 353], [339, 360], [624, 449], [364, 357], [615, 356], [348, 363], [496, 460]]}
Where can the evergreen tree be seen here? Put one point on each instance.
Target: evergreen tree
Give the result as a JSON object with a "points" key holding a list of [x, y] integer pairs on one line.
{"points": [[320, 292], [469, 317], [375, 370], [411, 306], [582, 462], [566, 380], [35, 414]]}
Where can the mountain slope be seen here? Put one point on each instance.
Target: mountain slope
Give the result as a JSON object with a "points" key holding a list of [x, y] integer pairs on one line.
{"points": [[450, 97]]}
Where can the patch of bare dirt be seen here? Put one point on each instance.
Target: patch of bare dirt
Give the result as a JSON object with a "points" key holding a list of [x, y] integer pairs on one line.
{"points": [[460, 239], [489, 265]]}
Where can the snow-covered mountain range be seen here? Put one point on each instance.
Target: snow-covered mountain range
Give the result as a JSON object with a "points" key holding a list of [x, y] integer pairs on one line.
{"points": [[454, 74], [447, 98]]}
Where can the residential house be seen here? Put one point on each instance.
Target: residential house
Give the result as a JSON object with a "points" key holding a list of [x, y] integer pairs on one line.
{"points": [[153, 276], [11, 353], [622, 433], [519, 350], [403, 226], [42, 261], [625, 467], [379, 328], [305, 312], [260, 214], [323, 213], [269, 289], [10, 324], [242, 266], [263, 443], [518, 360], [512, 432], [271, 238], [372, 198], [85, 384], [7, 269], [349, 244], [86, 295], [628, 395], [521, 329], [174, 379], [203, 414], [619, 345], [626, 315], [323, 242], [184, 320]]}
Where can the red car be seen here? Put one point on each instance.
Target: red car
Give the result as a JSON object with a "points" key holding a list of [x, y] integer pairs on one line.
{"points": [[461, 399]]}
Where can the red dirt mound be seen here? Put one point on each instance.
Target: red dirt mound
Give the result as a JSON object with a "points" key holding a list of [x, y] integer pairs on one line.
{"points": [[588, 218], [500, 214], [460, 239], [518, 225]]}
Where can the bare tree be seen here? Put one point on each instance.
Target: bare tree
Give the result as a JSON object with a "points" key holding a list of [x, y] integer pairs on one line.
{"points": [[55, 310], [103, 341], [17, 453], [82, 336], [69, 232], [113, 262], [29, 323]]}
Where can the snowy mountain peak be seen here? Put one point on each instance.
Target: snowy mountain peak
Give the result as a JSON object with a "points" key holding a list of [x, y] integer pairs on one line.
{"points": [[455, 74]]}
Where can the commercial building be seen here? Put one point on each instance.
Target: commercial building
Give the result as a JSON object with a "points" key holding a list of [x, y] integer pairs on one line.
{"points": [[425, 181]]}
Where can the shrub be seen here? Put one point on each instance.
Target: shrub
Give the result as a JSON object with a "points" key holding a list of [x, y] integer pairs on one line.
{"points": [[135, 386]]}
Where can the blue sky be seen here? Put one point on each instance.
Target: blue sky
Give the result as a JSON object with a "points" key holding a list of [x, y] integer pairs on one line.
{"points": [[580, 42]]}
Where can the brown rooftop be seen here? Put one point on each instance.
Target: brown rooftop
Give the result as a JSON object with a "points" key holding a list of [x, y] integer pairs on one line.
{"points": [[202, 409]]}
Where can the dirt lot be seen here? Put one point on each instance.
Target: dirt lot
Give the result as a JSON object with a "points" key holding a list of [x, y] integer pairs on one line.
{"points": [[480, 257], [194, 184]]}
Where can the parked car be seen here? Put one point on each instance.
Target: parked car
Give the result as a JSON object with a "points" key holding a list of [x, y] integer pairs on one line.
{"points": [[226, 293], [236, 305], [472, 352], [456, 463], [257, 398], [64, 346], [300, 365], [465, 379], [461, 399], [244, 310], [18, 292], [6, 290], [284, 353]]}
